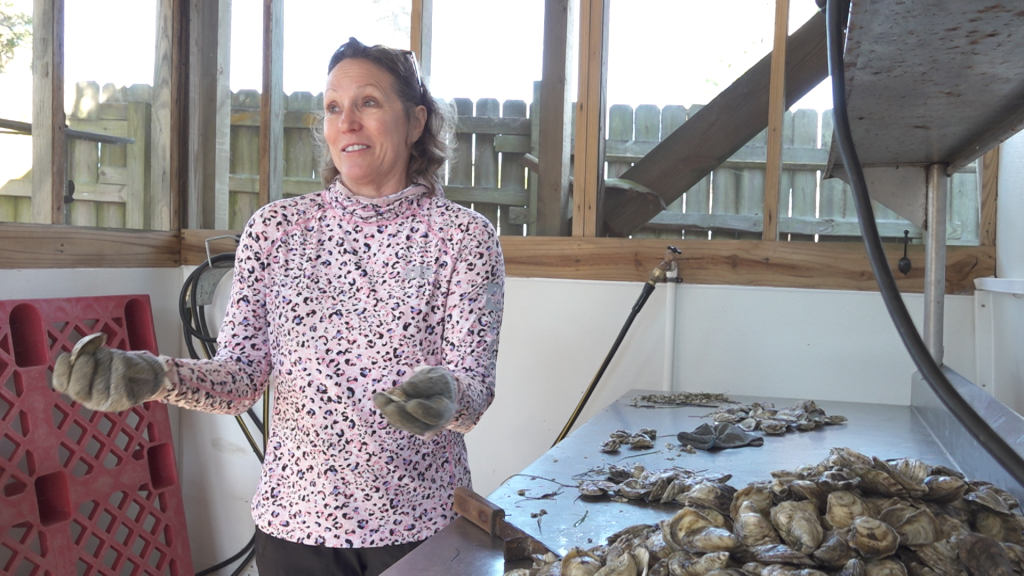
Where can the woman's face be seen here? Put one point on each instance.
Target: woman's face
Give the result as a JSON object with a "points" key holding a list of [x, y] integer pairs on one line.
{"points": [[367, 128]]}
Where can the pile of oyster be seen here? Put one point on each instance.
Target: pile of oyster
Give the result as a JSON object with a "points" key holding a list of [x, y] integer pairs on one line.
{"points": [[803, 416], [642, 440], [680, 399], [638, 483], [850, 515]]}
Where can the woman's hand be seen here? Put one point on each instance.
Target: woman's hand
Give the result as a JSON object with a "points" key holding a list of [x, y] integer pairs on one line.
{"points": [[424, 404], [106, 379]]}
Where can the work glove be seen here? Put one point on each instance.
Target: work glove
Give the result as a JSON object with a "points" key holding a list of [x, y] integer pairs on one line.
{"points": [[105, 379], [424, 404], [722, 435]]}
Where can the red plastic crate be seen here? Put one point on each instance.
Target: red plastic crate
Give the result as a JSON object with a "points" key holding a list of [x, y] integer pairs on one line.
{"points": [[83, 493]]}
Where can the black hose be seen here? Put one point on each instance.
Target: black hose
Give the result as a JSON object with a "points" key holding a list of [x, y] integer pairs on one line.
{"points": [[194, 326], [250, 547], [645, 293], [1005, 455]]}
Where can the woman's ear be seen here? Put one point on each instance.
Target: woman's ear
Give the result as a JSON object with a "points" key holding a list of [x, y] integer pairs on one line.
{"points": [[417, 123]]}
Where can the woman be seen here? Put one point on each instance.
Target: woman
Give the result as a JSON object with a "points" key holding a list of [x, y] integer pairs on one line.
{"points": [[342, 296]]}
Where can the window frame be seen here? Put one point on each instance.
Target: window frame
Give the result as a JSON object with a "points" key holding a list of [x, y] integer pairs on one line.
{"points": [[584, 255]]}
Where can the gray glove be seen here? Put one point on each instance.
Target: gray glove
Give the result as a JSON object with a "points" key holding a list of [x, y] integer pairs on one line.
{"points": [[424, 404], [106, 379]]}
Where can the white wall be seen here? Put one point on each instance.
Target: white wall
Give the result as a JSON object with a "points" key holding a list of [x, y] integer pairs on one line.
{"points": [[813, 344], [1007, 309], [827, 345]]}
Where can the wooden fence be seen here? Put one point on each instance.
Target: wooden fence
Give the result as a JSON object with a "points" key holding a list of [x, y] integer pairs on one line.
{"points": [[486, 173]]}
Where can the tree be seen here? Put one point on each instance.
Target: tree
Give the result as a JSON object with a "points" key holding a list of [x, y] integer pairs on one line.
{"points": [[15, 30]]}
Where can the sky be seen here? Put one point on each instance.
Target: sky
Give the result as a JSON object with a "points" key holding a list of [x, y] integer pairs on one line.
{"points": [[660, 51]]}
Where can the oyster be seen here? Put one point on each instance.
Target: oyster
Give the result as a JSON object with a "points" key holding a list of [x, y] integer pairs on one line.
{"points": [[634, 489], [843, 507], [798, 525], [775, 553], [911, 468], [693, 531], [914, 527], [596, 487], [941, 557], [611, 445], [620, 562], [914, 489], [579, 562], [846, 458], [783, 570], [774, 427], [855, 567], [834, 552], [680, 565], [807, 490], [839, 479], [886, 567], [879, 482], [752, 528], [944, 489], [1016, 555], [714, 495], [1002, 528], [754, 568], [874, 539], [983, 555], [992, 498], [758, 493]]}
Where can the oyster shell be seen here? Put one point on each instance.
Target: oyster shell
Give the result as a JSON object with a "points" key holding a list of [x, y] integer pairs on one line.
{"points": [[620, 562], [1016, 555], [775, 554], [758, 493], [941, 557], [798, 525], [596, 487], [752, 528], [879, 482], [886, 567], [839, 479], [579, 562], [834, 552], [680, 565], [914, 527], [983, 555], [914, 489], [611, 445], [783, 570], [807, 490], [992, 498], [843, 507], [944, 489], [714, 495], [911, 468], [774, 427], [846, 458], [855, 567], [874, 539]]}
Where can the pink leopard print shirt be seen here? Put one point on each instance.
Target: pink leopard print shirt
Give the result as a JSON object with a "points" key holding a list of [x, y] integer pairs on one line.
{"points": [[339, 297]]}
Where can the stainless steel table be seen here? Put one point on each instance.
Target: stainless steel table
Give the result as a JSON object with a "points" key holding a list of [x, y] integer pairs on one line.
{"points": [[873, 429]]}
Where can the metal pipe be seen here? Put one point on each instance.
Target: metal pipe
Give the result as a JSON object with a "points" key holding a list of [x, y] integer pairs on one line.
{"points": [[935, 259]]}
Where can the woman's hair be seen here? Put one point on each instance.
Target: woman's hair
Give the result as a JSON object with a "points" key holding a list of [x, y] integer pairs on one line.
{"points": [[429, 153]]}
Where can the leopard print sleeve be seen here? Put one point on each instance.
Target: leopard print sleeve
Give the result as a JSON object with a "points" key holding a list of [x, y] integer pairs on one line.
{"points": [[472, 322], [233, 380]]}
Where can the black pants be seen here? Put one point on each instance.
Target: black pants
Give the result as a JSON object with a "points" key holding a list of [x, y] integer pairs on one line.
{"points": [[276, 557]]}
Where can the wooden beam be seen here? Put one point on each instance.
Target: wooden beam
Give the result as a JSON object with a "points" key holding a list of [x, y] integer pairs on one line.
{"points": [[989, 194], [831, 266], [272, 104], [554, 146], [776, 97], [221, 133], [588, 188], [722, 127], [193, 245], [421, 32], [58, 246], [49, 149], [158, 207]]}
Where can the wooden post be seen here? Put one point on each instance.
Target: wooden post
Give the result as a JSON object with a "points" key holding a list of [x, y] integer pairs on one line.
{"points": [[532, 186], [460, 167], [83, 155], [222, 120], [672, 117], [245, 159], [486, 165], [513, 175], [272, 104], [49, 150], [588, 187], [159, 206], [989, 192], [421, 31], [804, 135], [137, 163], [299, 158], [647, 129], [113, 158], [556, 109], [776, 106]]}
